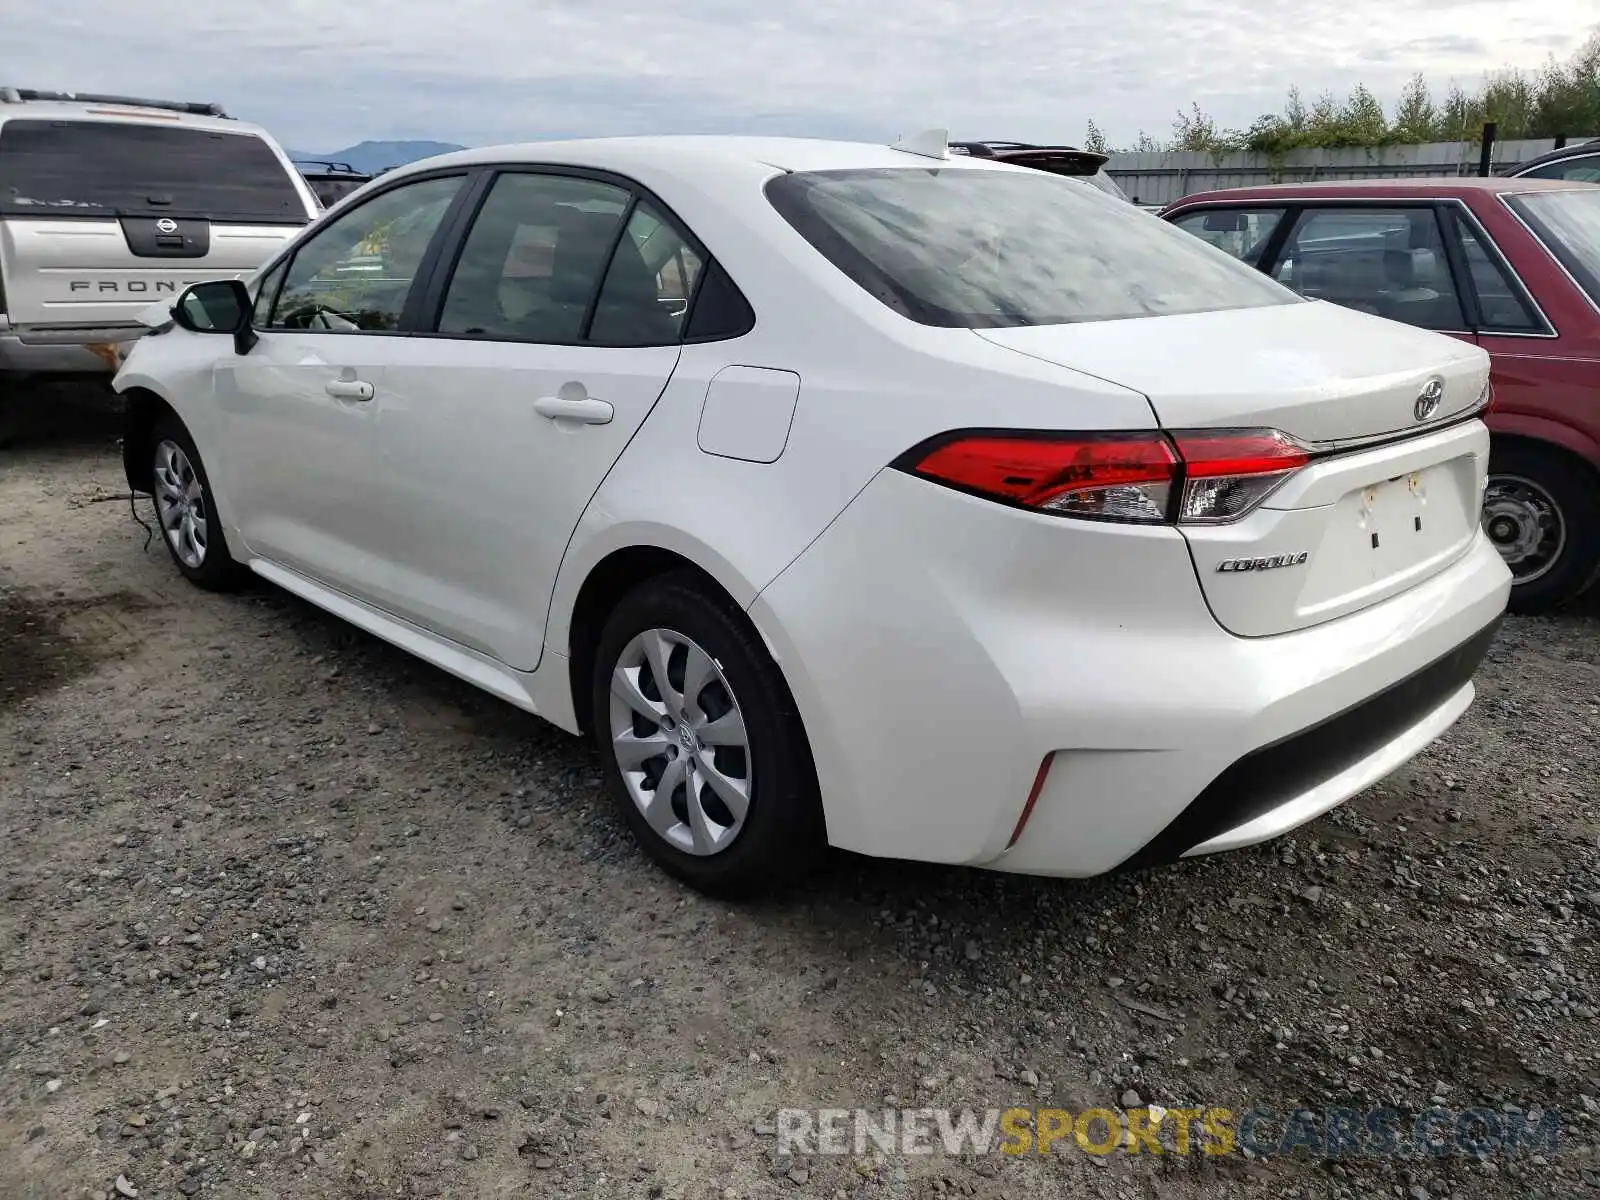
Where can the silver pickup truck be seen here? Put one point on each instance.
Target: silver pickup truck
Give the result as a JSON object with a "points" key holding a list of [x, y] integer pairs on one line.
{"points": [[109, 203]]}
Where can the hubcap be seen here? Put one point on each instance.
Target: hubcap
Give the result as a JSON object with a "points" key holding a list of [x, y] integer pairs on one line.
{"points": [[1525, 524], [181, 504], [679, 739]]}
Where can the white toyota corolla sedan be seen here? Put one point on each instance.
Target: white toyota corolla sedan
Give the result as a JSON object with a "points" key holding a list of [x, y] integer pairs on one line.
{"points": [[847, 494]]}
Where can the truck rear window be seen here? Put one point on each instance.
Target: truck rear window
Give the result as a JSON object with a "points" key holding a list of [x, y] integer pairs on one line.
{"points": [[83, 168]]}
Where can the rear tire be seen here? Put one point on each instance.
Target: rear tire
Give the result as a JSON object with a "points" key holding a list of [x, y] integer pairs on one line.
{"points": [[1542, 511], [190, 526], [677, 759]]}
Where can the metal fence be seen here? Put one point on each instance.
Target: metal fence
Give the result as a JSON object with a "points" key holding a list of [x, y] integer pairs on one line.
{"points": [[1161, 178]]}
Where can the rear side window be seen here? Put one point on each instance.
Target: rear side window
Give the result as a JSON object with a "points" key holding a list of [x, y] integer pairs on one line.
{"points": [[534, 258], [648, 284], [1387, 261], [1242, 232], [89, 168], [957, 247], [1501, 301]]}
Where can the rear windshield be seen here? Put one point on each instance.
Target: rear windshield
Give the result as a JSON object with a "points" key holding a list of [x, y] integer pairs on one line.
{"points": [[72, 168], [986, 248], [1569, 224]]}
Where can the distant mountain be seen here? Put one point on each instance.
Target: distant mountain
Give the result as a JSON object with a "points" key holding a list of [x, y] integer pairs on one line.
{"points": [[370, 157]]}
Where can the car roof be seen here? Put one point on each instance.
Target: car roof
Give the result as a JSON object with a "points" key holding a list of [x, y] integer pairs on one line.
{"points": [[1427, 187], [671, 154]]}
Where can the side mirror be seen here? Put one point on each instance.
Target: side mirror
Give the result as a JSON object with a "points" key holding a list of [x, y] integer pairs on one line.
{"points": [[218, 306]]}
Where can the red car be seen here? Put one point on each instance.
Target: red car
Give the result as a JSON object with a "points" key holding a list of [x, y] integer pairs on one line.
{"points": [[1511, 264]]}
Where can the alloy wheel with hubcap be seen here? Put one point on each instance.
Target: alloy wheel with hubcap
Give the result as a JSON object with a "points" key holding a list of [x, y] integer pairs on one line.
{"points": [[181, 504], [678, 736]]}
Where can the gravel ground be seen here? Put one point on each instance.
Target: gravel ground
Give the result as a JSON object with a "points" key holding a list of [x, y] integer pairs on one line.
{"points": [[284, 912]]}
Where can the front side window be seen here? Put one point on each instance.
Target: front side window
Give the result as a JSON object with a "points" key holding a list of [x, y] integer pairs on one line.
{"points": [[534, 258], [90, 168], [266, 291], [354, 274], [958, 247], [1568, 223], [1580, 170], [1242, 232], [1387, 261]]}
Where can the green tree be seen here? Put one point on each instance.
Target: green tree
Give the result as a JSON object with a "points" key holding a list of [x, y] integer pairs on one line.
{"points": [[1460, 116], [1414, 116], [1509, 101], [1095, 141], [1361, 119]]}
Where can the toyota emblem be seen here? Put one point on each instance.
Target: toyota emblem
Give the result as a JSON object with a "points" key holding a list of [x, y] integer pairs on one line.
{"points": [[166, 225], [1428, 399]]}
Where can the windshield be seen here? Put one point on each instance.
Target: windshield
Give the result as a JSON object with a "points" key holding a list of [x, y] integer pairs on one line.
{"points": [[75, 168], [1568, 222], [976, 249]]}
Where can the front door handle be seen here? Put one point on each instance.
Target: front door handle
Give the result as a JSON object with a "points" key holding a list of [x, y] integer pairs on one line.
{"points": [[349, 389], [587, 411]]}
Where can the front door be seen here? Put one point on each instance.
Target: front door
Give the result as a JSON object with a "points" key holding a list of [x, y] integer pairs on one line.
{"points": [[299, 412]]}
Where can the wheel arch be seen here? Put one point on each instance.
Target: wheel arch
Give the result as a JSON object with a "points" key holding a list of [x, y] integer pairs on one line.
{"points": [[610, 578], [1537, 433], [145, 407]]}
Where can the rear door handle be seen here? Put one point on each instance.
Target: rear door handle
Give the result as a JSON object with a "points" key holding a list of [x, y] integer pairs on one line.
{"points": [[587, 411], [349, 389]]}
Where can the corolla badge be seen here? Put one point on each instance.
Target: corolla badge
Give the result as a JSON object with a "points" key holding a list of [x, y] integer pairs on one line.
{"points": [[1264, 564], [1428, 399]]}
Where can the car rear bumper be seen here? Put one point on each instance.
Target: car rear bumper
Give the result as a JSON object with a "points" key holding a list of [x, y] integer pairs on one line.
{"points": [[943, 649]]}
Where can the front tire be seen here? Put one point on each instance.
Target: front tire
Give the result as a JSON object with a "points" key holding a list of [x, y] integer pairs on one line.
{"points": [[703, 751], [188, 518], [1542, 512]]}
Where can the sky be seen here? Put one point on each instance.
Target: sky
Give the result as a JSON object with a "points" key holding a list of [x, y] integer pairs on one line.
{"points": [[322, 76]]}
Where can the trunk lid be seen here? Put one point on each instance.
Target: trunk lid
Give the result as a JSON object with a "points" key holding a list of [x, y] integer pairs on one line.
{"points": [[1392, 495], [1317, 371]]}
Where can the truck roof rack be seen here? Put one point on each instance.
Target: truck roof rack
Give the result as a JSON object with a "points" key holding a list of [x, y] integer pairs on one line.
{"points": [[14, 95], [334, 168]]}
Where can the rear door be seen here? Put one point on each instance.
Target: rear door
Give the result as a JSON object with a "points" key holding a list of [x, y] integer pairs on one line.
{"points": [[1388, 259], [99, 218], [552, 339]]}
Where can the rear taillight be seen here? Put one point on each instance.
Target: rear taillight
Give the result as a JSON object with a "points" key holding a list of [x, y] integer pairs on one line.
{"points": [[1207, 476], [1228, 472]]}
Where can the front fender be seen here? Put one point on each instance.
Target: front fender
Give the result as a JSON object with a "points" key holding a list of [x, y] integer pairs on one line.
{"points": [[170, 373]]}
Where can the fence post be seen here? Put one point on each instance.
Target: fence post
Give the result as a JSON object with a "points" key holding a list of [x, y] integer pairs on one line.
{"points": [[1486, 149]]}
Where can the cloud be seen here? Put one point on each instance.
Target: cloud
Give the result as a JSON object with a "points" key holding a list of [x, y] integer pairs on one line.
{"points": [[478, 71]]}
